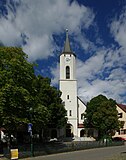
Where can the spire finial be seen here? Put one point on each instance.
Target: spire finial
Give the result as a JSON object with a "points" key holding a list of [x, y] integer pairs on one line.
{"points": [[67, 43], [67, 34]]}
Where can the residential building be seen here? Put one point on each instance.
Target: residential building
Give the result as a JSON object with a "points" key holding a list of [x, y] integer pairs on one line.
{"points": [[122, 117]]}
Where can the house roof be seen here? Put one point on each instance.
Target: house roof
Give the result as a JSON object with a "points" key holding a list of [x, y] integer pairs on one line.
{"points": [[81, 100], [122, 106]]}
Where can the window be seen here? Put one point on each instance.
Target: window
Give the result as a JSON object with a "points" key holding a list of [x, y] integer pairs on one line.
{"points": [[68, 97], [82, 116], [67, 72], [63, 103], [119, 115], [70, 113], [67, 112]]}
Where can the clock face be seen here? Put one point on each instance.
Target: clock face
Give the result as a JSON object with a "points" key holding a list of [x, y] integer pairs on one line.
{"points": [[67, 59]]}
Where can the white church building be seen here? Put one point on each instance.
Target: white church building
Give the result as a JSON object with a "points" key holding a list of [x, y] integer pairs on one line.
{"points": [[68, 86]]}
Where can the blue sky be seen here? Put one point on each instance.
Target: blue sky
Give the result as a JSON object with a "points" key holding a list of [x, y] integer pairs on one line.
{"points": [[97, 32]]}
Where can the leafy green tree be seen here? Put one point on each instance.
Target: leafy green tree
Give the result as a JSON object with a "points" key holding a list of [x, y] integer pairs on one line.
{"points": [[16, 75], [101, 114], [49, 97], [24, 97]]}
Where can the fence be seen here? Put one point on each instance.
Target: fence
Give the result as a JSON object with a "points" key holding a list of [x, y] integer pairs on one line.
{"points": [[58, 147]]}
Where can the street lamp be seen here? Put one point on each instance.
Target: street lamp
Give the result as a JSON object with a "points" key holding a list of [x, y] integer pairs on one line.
{"points": [[30, 125]]}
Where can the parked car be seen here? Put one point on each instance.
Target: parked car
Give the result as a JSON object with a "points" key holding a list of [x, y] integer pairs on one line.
{"points": [[119, 139]]}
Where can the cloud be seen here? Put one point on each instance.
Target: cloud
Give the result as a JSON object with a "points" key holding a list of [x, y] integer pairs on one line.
{"points": [[90, 85], [105, 72], [55, 71], [118, 29], [38, 20], [9, 34], [32, 24]]}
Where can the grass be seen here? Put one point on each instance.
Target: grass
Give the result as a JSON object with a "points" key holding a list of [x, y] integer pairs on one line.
{"points": [[120, 157]]}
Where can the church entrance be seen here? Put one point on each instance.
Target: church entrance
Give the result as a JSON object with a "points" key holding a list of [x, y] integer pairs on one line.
{"points": [[69, 130]]}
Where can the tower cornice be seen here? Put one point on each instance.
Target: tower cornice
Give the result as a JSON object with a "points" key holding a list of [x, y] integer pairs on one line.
{"points": [[68, 53]]}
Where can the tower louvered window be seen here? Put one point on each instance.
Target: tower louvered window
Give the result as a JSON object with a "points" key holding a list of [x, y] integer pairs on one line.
{"points": [[67, 72]]}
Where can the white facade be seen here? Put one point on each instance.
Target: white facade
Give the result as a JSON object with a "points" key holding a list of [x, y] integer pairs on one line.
{"points": [[68, 86], [122, 117]]}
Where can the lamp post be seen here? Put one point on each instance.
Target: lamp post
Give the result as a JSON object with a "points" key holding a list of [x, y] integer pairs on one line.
{"points": [[31, 140], [30, 125]]}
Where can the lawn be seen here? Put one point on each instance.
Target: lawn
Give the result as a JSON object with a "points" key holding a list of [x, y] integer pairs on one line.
{"points": [[120, 157]]}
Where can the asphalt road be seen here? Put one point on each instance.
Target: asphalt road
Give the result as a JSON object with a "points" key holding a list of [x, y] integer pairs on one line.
{"points": [[90, 154]]}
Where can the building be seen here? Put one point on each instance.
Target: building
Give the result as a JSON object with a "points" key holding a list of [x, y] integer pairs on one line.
{"points": [[68, 86], [122, 117]]}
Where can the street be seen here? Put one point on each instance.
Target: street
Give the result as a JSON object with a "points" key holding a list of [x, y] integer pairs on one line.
{"points": [[89, 154]]}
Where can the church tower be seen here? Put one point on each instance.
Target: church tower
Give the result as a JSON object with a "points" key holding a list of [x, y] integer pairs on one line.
{"points": [[68, 87]]}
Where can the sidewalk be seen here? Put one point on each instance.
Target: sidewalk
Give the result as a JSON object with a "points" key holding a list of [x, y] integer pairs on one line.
{"points": [[3, 158]]}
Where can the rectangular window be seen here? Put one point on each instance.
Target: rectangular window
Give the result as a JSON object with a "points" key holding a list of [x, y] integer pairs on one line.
{"points": [[124, 131], [67, 72], [68, 96], [70, 113], [119, 115], [82, 116]]}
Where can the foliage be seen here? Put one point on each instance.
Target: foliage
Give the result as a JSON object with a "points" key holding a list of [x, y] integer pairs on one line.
{"points": [[102, 115], [25, 97], [16, 75], [49, 96]]}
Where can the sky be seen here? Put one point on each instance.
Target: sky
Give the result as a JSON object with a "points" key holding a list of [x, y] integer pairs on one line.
{"points": [[97, 33]]}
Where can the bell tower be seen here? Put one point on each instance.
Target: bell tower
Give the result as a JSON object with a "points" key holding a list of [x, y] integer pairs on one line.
{"points": [[68, 86]]}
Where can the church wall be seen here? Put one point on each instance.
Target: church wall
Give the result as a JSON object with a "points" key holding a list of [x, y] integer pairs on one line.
{"points": [[81, 110], [68, 88]]}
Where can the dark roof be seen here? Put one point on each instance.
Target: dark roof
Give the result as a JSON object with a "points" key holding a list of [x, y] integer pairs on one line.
{"points": [[122, 106], [81, 100]]}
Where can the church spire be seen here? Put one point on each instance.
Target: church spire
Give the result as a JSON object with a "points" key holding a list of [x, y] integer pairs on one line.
{"points": [[67, 43]]}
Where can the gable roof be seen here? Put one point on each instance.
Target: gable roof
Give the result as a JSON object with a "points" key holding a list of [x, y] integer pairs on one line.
{"points": [[81, 100], [122, 106]]}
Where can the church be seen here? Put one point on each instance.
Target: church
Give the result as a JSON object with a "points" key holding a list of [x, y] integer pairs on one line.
{"points": [[68, 86]]}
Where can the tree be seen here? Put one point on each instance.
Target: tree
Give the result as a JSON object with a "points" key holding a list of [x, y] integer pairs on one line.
{"points": [[101, 114], [50, 97], [16, 75], [25, 97]]}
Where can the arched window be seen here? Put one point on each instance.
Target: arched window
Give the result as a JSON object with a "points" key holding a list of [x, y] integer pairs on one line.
{"points": [[67, 72]]}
